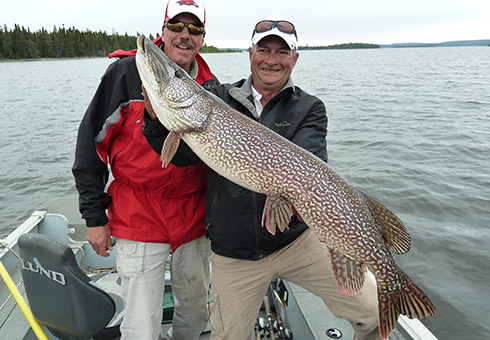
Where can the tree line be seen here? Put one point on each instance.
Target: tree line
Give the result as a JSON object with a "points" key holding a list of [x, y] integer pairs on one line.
{"points": [[20, 43]]}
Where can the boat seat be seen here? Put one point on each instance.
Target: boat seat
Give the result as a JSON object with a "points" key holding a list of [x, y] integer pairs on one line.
{"points": [[61, 296]]}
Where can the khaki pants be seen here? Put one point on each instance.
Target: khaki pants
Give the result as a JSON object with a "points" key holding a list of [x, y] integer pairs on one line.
{"points": [[238, 288], [141, 266]]}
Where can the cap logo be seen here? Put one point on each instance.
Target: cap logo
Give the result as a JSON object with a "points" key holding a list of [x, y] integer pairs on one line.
{"points": [[187, 2]]}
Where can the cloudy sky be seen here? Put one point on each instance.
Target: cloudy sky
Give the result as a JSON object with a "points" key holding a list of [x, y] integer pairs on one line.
{"points": [[230, 23]]}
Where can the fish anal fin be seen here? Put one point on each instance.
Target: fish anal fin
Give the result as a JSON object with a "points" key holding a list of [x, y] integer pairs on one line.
{"points": [[277, 212], [349, 273], [395, 235], [170, 146], [410, 300]]}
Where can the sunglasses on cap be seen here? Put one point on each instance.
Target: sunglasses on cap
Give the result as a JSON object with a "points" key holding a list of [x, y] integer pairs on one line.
{"points": [[283, 26], [178, 26]]}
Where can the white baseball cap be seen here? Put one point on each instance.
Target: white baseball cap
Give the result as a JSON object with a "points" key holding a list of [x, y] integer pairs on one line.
{"points": [[176, 7], [279, 26]]}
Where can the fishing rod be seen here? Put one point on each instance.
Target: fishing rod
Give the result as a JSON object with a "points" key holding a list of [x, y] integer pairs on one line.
{"points": [[22, 303], [284, 333], [269, 327], [268, 315]]}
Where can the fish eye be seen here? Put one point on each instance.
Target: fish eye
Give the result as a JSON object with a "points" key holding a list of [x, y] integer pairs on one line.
{"points": [[179, 74]]}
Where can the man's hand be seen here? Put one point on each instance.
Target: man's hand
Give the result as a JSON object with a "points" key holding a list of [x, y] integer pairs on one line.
{"points": [[100, 239], [149, 108]]}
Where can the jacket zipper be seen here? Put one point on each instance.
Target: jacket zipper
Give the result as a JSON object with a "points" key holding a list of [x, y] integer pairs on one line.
{"points": [[256, 226]]}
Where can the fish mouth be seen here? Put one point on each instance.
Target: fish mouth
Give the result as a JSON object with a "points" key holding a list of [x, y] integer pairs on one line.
{"points": [[141, 43]]}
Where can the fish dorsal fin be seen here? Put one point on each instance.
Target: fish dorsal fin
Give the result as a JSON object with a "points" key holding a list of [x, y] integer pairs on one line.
{"points": [[349, 273], [394, 233]]}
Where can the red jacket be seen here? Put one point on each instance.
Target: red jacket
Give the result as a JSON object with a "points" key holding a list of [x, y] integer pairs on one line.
{"points": [[145, 202]]}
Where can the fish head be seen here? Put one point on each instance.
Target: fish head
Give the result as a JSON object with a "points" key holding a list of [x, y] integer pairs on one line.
{"points": [[179, 102]]}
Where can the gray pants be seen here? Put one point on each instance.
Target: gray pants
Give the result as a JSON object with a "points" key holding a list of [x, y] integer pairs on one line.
{"points": [[238, 288], [141, 266]]}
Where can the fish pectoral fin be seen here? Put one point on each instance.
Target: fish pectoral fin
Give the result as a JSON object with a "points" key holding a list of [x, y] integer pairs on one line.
{"points": [[394, 233], [349, 273], [170, 146], [277, 212]]}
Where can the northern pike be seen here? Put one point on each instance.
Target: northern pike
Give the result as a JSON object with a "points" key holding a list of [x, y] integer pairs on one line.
{"points": [[358, 231]]}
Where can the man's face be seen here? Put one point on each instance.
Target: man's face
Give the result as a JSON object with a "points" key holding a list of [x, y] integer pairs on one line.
{"points": [[182, 47], [271, 63]]}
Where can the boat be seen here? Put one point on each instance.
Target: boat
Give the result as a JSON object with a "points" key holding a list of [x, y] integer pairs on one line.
{"points": [[288, 313]]}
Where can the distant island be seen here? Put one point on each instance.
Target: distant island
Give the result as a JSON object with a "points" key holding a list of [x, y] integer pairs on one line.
{"points": [[458, 43], [348, 46]]}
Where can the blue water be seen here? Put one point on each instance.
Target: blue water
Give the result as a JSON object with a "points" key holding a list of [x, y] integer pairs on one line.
{"points": [[410, 127]]}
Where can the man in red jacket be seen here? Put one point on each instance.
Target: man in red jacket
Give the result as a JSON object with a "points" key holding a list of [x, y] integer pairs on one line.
{"points": [[151, 210]]}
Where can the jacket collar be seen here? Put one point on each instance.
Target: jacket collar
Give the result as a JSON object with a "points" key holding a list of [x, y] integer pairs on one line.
{"points": [[243, 94]]}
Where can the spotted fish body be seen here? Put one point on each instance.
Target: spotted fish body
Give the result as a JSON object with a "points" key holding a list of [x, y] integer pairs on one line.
{"points": [[358, 231]]}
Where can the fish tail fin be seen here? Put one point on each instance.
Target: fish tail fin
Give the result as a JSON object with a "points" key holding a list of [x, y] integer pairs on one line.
{"points": [[410, 301]]}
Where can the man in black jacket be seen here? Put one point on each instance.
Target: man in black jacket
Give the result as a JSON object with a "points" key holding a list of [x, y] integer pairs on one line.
{"points": [[246, 257]]}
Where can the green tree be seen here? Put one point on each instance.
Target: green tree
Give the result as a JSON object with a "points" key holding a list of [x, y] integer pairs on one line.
{"points": [[61, 42]]}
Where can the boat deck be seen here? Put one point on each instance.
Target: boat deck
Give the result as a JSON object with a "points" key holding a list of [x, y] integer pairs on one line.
{"points": [[306, 314]]}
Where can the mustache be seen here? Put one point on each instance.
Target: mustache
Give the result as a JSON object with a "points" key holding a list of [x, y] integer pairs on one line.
{"points": [[185, 42]]}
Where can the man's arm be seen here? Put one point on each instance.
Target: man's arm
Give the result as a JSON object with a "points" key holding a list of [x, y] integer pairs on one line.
{"points": [[90, 168], [91, 175], [311, 134]]}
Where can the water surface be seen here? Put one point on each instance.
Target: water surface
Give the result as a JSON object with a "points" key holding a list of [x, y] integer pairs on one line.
{"points": [[410, 127]]}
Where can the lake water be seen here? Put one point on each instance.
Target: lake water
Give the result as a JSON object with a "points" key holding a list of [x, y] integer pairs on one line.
{"points": [[410, 127]]}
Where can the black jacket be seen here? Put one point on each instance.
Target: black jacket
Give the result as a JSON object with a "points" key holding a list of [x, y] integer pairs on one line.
{"points": [[233, 213]]}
